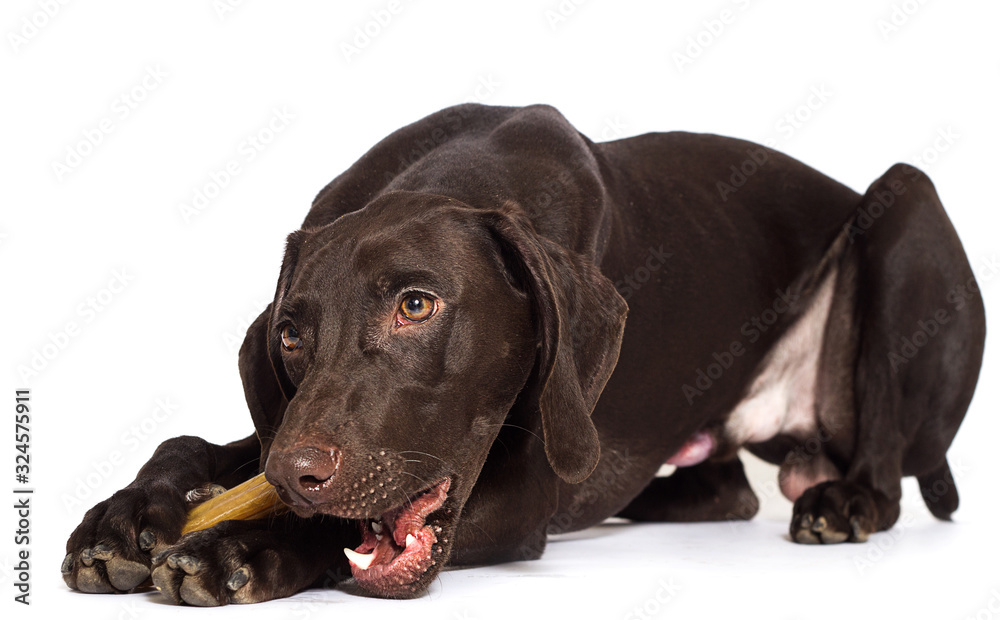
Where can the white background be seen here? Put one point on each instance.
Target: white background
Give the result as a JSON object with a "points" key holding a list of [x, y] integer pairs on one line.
{"points": [[923, 90]]}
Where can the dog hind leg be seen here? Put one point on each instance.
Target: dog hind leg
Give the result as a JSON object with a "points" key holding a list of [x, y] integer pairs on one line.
{"points": [[908, 400], [708, 491]]}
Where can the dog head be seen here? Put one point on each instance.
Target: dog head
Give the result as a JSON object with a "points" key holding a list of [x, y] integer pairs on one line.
{"points": [[400, 337]]}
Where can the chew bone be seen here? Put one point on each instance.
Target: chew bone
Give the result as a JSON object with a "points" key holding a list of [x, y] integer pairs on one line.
{"points": [[254, 499]]}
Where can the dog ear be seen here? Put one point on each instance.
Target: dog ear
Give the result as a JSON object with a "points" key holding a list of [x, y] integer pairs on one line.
{"points": [[260, 384], [581, 319], [292, 246]]}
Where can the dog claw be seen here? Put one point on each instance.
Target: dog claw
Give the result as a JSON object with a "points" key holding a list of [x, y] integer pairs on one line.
{"points": [[188, 564], [859, 533], [818, 525], [238, 579], [101, 552], [87, 557], [203, 493], [147, 539], [161, 557], [802, 530]]}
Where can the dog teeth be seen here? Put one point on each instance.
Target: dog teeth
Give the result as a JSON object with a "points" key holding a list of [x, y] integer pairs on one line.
{"points": [[410, 538], [361, 560], [377, 527]]}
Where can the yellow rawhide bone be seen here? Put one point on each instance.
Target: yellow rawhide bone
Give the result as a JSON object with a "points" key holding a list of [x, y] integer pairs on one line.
{"points": [[254, 499]]}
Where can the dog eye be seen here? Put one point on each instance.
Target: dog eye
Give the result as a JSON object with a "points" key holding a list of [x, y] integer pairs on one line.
{"points": [[290, 338], [416, 308]]}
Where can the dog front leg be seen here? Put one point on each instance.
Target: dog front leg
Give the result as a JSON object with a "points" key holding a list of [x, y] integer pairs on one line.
{"points": [[254, 561], [110, 551]]}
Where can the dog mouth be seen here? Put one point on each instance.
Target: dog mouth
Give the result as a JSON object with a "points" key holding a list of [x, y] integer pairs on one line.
{"points": [[400, 546]]}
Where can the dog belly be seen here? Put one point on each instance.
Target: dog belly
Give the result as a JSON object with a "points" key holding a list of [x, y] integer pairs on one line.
{"points": [[781, 400]]}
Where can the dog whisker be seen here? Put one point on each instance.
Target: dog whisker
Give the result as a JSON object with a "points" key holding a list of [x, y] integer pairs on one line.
{"points": [[424, 454], [521, 428]]}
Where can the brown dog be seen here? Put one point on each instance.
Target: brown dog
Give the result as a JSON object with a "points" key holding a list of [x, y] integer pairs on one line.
{"points": [[436, 368]]}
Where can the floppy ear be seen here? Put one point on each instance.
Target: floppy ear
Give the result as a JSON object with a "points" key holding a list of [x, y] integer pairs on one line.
{"points": [[581, 318], [260, 385], [292, 246]]}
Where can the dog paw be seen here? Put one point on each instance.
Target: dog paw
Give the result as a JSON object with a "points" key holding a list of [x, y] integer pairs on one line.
{"points": [[110, 551], [233, 562], [834, 512]]}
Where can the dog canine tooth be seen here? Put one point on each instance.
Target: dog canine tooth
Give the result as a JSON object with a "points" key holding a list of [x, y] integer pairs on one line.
{"points": [[361, 560], [410, 538], [377, 527]]}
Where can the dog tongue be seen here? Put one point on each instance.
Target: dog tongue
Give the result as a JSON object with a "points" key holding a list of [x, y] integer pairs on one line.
{"points": [[397, 548], [696, 450]]}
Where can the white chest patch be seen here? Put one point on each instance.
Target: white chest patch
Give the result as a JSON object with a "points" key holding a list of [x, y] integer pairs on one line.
{"points": [[782, 398]]}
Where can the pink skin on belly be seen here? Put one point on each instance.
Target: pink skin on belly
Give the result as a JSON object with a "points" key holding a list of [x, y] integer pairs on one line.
{"points": [[694, 451]]}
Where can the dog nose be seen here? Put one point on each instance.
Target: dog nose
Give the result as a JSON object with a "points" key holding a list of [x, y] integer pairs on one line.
{"points": [[302, 475]]}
